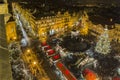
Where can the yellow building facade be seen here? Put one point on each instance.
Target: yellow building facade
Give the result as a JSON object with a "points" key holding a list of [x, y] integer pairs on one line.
{"points": [[115, 33], [97, 30], [58, 24], [11, 31], [85, 24]]}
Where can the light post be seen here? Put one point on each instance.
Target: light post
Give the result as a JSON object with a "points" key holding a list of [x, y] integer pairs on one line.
{"points": [[34, 62], [28, 51], [14, 38]]}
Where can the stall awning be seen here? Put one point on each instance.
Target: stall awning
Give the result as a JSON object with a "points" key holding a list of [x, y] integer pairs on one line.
{"points": [[56, 57], [65, 71], [116, 78], [44, 43], [50, 52], [47, 47], [89, 74]]}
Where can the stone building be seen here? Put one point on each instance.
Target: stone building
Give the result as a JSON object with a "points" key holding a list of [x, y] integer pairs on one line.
{"points": [[5, 66], [58, 22], [114, 34]]}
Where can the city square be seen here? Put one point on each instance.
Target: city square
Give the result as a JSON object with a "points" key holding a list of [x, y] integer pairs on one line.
{"points": [[60, 40]]}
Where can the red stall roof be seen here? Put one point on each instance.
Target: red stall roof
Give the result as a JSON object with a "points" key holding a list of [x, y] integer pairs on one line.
{"points": [[47, 47], [56, 57], [89, 74], [44, 43], [50, 52], [65, 71], [116, 78]]}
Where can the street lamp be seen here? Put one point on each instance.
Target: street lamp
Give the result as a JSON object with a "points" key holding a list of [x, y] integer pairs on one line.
{"points": [[28, 50], [34, 62], [14, 38]]}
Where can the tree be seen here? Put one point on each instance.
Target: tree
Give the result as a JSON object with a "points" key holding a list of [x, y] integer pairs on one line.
{"points": [[103, 45], [20, 72]]}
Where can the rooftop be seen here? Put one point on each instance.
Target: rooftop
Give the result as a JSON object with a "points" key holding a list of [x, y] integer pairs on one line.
{"points": [[43, 8], [101, 3]]}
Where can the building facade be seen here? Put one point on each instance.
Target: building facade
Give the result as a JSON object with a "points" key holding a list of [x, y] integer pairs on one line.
{"points": [[97, 30], [11, 31], [5, 66], [42, 27], [60, 23]]}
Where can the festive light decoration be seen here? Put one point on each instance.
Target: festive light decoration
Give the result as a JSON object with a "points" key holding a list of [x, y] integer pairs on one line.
{"points": [[103, 45]]}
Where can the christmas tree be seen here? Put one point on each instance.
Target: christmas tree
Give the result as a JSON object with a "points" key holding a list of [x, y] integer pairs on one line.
{"points": [[103, 45]]}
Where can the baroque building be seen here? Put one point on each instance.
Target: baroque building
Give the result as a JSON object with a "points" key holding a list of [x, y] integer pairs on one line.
{"points": [[114, 34], [41, 27]]}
